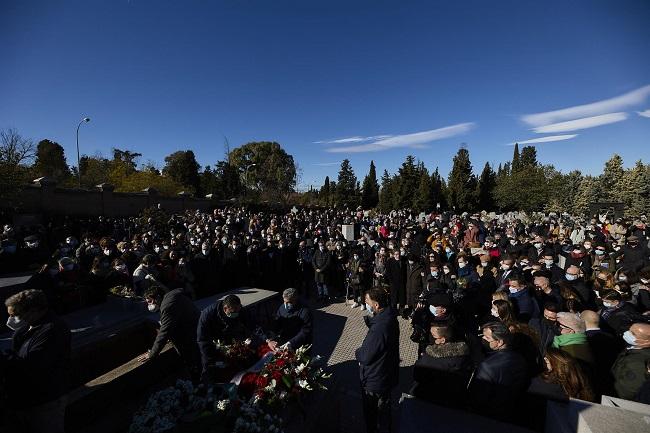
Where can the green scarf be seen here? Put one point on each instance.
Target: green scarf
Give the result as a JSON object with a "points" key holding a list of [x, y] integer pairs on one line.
{"points": [[569, 340]]}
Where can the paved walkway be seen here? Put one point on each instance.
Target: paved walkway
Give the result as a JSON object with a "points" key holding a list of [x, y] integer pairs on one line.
{"points": [[338, 332]]}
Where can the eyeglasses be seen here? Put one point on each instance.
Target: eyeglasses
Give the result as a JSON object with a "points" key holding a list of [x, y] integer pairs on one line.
{"points": [[565, 327]]}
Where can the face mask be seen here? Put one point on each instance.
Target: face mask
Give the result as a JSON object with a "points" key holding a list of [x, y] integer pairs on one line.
{"points": [[629, 338], [538, 245], [484, 264], [446, 271], [434, 274], [232, 315], [411, 262], [356, 257], [505, 267], [617, 248], [165, 247], [570, 277], [369, 308], [120, 268], [434, 311], [644, 281], [607, 304], [587, 246], [495, 313], [523, 264], [205, 251], [513, 242], [600, 252], [14, 323], [288, 306], [156, 249], [622, 278], [461, 265], [152, 308], [486, 344], [513, 289], [448, 249], [32, 244], [548, 262]]}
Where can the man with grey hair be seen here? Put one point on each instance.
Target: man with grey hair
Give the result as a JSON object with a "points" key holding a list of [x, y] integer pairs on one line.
{"points": [[292, 324], [573, 337], [37, 367]]}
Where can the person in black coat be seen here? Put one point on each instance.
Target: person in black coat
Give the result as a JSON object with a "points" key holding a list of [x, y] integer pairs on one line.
{"points": [[635, 255], [292, 324], [179, 318], [378, 359], [441, 374], [37, 367], [501, 378], [321, 261], [225, 321], [396, 276]]}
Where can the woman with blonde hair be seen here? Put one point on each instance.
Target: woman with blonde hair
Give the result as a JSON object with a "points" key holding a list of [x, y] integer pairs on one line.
{"points": [[565, 371]]}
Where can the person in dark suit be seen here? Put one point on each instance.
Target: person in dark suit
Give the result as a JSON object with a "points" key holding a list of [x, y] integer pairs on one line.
{"points": [[413, 282], [321, 261], [179, 318], [225, 321], [501, 379], [292, 324], [396, 276], [378, 359], [605, 348], [37, 367]]}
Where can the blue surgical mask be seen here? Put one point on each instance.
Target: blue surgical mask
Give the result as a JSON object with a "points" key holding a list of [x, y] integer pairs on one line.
{"points": [[570, 277], [369, 308], [434, 310], [629, 338], [288, 306]]}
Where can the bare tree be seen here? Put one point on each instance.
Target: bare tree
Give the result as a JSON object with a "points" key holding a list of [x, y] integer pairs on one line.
{"points": [[14, 149], [15, 154]]}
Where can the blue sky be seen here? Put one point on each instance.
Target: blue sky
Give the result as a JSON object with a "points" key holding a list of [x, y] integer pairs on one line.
{"points": [[380, 79]]}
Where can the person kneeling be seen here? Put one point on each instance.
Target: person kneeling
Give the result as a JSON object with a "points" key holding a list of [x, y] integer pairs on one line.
{"points": [[292, 324]]}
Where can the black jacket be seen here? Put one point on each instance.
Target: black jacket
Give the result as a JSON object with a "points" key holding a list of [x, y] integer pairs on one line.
{"points": [[179, 318], [215, 325], [293, 326], [499, 381], [378, 355], [38, 367]]}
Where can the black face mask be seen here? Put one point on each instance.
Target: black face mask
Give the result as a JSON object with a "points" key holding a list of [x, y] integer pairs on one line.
{"points": [[486, 345]]}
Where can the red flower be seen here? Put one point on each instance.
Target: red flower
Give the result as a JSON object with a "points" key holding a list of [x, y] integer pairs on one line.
{"points": [[248, 384], [262, 382], [277, 376], [281, 363]]}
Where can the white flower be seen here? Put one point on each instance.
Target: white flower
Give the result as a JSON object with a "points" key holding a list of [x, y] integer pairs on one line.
{"points": [[248, 341], [304, 384], [300, 368], [222, 404]]}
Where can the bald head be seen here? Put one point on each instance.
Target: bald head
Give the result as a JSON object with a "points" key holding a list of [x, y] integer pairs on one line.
{"points": [[642, 333], [591, 318]]}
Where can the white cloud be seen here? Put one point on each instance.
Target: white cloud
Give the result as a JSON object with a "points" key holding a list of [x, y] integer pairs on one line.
{"points": [[327, 164], [357, 139], [645, 113], [416, 140], [587, 122], [620, 102], [546, 139]]}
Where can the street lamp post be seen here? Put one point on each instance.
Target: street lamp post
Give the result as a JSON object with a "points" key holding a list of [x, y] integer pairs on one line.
{"points": [[84, 120]]}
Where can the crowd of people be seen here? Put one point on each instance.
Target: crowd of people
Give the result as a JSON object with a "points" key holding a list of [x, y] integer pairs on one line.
{"points": [[500, 304]]}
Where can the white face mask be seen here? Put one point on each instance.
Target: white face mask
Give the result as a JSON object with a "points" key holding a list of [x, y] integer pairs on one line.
{"points": [[411, 262], [14, 323], [571, 277], [446, 271], [369, 308], [622, 278], [505, 267], [548, 262], [461, 265], [120, 268], [538, 245], [513, 289], [434, 311], [152, 308], [484, 264], [629, 338], [607, 304], [495, 313]]}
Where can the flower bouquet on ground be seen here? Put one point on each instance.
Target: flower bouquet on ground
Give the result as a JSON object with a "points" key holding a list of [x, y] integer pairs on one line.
{"points": [[123, 292], [285, 378], [184, 408]]}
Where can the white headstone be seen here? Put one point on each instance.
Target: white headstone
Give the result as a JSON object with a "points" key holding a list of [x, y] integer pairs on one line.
{"points": [[348, 231]]}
